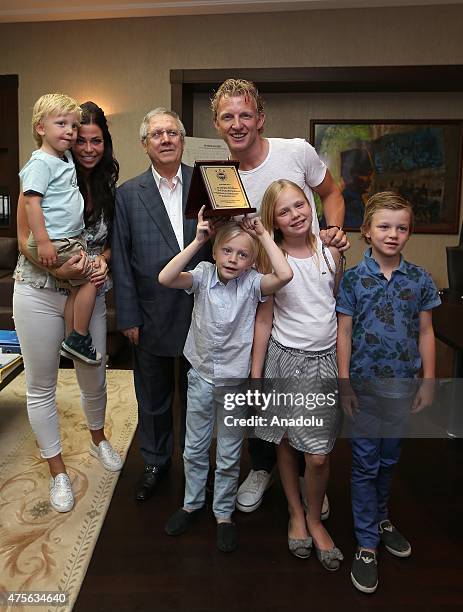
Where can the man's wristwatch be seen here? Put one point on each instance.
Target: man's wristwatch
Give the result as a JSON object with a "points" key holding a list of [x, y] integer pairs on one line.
{"points": [[336, 226]]}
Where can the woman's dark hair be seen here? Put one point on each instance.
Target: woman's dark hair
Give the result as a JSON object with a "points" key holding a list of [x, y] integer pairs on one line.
{"points": [[103, 178]]}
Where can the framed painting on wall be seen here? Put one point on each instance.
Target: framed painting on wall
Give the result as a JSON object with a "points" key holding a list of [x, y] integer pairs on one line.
{"points": [[419, 159]]}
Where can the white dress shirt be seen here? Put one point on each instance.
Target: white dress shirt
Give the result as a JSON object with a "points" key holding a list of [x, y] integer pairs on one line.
{"points": [[172, 198]]}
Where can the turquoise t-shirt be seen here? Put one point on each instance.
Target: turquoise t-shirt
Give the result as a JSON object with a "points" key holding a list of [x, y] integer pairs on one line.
{"points": [[62, 202]]}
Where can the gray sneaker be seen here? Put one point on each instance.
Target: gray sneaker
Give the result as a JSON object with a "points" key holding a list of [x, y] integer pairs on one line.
{"points": [[251, 492], [364, 573], [393, 540]]}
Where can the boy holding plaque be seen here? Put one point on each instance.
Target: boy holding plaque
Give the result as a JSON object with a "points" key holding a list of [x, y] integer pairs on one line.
{"points": [[218, 347]]}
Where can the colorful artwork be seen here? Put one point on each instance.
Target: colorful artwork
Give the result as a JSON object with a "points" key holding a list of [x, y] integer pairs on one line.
{"points": [[421, 160]]}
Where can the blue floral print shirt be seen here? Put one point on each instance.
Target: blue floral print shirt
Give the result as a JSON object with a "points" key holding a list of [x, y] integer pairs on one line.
{"points": [[385, 313]]}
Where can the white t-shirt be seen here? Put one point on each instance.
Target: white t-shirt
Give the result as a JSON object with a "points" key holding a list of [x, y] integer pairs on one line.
{"points": [[292, 159], [304, 313]]}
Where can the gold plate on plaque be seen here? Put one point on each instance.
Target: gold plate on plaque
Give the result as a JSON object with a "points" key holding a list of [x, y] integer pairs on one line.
{"points": [[218, 186]]}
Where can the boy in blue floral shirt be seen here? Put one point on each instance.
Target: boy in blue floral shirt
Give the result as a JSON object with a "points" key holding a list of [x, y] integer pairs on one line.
{"points": [[385, 337]]}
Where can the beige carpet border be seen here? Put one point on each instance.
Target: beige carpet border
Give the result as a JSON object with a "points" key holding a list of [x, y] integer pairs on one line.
{"points": [[40, 549]]}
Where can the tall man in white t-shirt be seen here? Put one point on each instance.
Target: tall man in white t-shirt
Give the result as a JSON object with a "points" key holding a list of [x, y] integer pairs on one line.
{"points": [[238, 115]]}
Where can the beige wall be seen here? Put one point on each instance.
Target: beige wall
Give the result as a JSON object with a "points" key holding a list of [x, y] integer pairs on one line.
{"points": [[124, 66]]}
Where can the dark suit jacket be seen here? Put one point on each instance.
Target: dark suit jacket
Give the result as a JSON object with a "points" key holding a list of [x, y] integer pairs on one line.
{"points": [[143, 242]]}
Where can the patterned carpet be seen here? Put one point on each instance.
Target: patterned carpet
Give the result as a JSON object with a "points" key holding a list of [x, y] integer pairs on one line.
{"points": [[40, 549]]}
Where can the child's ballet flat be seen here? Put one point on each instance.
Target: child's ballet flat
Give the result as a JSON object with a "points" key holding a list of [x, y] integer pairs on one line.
{"points": [[330, 559], [300, 548]]}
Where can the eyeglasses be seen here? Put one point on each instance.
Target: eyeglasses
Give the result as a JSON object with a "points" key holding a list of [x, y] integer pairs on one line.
{"points": [[157, 135]]}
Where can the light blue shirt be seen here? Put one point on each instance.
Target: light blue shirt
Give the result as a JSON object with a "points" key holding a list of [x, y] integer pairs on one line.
{"points": [[219, 341], [62, 202]]}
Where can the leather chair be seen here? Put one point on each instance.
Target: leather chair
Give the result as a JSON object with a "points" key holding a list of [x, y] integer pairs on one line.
{"points": [[455, 268]]}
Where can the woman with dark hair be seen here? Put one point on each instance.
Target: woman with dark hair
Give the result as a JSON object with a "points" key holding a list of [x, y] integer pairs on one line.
{"points": [[38, 309], [97, 169]]}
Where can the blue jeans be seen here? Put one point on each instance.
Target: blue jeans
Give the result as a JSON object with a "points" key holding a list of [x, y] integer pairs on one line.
{"points": [[373, 462], [204, 405]]}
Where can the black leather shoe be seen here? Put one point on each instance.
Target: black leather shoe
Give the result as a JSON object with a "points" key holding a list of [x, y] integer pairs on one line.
{"points": [[149, 480]]}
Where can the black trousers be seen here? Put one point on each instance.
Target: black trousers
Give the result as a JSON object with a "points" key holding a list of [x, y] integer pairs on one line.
{"points": [[154, 378], [263, 454]]}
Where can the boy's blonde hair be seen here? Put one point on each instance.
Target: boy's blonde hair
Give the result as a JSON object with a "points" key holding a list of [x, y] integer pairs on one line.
{"points": [[232, 230], [267, 215], [236, 87], [52, 104], [384, 200]]}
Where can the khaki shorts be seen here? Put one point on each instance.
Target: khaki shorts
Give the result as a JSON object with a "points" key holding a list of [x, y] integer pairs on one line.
{"points": [[65, 249]]}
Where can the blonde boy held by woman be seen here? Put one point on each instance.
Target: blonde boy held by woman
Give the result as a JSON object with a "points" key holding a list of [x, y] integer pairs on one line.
{"points": [[54, 209]]}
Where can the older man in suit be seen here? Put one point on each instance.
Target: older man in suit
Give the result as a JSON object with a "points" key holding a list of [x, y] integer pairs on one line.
{"points": [[149, 229]]}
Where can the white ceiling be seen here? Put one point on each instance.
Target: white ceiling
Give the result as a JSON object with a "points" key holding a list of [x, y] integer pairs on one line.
{"points": [[60, 10]]}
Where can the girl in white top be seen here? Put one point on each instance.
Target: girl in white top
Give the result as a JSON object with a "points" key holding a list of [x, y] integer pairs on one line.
{"points": [[295, 338]]}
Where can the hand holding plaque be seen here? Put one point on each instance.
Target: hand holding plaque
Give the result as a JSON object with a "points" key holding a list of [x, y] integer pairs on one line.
{"points": [[206, 229], [218, 186], [253, 226]]}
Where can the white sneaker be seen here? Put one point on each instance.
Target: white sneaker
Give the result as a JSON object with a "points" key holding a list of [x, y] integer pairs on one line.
{"points": [[108, 457], [61, 497], [251, 492], [325, 506]]}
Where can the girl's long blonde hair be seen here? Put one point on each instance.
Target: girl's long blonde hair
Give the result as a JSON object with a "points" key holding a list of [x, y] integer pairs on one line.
{"points": [[267, 215]]}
